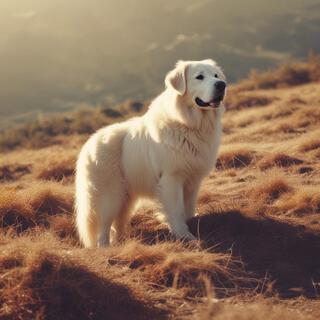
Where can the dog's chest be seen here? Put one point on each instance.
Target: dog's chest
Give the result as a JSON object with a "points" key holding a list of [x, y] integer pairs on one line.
{"points": [[194, 151]]}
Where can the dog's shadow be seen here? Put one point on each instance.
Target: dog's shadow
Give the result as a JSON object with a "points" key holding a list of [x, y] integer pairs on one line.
{"points": [[284, 253]]}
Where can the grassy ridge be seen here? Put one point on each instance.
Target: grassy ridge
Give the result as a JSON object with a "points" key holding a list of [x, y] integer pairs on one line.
{"points": [[45, 130]]}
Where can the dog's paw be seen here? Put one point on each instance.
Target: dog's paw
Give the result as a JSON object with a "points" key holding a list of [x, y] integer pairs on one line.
{"points": [[191, 241], [188, 236], [182, 233]]}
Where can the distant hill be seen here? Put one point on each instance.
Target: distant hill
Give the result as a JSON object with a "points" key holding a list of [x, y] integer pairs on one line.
{"points": [[55, 55]]}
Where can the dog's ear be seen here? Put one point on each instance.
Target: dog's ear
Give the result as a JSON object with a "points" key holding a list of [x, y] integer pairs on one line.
{"points": [[176, 78]]}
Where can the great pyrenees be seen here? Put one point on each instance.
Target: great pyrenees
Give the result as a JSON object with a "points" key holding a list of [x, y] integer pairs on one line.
{"points": [[163, 155]]}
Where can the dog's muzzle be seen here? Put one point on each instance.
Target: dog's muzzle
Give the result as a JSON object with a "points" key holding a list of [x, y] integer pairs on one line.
{"points": [[220, 88]]}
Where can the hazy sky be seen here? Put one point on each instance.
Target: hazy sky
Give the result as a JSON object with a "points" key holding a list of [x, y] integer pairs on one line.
{"points": [[55, 54]]}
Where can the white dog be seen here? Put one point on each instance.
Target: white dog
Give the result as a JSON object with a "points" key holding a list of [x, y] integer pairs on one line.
{"points": [[162, 155]]}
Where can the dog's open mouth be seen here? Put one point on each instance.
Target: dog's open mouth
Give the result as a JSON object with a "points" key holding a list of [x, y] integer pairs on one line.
{"points": [[214, 103]]}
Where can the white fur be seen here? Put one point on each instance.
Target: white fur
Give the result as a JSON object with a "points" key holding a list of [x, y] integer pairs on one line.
{"points": [[164, 155]]}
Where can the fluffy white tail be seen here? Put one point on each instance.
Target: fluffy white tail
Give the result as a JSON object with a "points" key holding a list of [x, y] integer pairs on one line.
{"points": [[85, 216]]}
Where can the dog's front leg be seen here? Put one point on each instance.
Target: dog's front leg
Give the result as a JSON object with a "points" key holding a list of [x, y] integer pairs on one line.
{"points": [[170, 194], [190, 195]]}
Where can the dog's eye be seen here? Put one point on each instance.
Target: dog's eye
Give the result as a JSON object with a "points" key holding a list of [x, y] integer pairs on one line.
{"points": [[216, 75], [200, 77]]}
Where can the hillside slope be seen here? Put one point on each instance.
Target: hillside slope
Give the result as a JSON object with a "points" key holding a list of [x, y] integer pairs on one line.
{"points": [[258, 225]]}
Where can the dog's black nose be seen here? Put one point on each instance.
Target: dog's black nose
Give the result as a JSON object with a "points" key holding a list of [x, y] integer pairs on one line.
{"points": [[220, 85]]}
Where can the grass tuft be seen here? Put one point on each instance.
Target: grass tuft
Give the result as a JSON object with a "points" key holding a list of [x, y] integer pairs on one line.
{"points": [[269, 189], [278, 160], [237, 158], [23, 210], [56, 169], [13, 172]]}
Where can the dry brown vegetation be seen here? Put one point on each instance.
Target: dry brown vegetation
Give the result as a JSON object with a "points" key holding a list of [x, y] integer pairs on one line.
{"points": [[287, 75], [278, 159], [57, 169], [45, 131], [258, 219], [235, 158]]}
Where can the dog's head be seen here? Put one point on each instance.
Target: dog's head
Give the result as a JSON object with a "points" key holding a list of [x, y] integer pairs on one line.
{"points": [[201, 83]]}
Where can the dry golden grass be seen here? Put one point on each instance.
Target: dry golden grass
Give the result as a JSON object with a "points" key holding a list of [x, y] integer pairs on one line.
{"points": [[269, 189], [45, 131], [263, 309], [288, 75], [34, 206], [310, 145], [179, 266], [278, 159], [45, 279], [13, 172], [257, 225], [238, 101], [303, 202], [56, 169], [235, 158]]}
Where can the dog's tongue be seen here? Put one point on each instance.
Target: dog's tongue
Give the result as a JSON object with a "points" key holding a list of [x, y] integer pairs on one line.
{"points": [[214, 104]]}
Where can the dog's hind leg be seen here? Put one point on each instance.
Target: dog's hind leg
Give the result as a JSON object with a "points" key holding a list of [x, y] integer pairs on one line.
{"points": [[122, 219], [109, 207], [105, 221]]}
